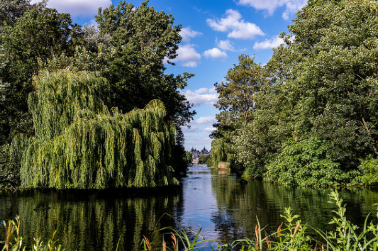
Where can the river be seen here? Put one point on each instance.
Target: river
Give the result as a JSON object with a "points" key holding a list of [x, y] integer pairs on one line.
{"points": [[223, 206]]}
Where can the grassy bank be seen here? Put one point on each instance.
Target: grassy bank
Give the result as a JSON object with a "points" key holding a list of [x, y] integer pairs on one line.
{"points": [[292, 234]]}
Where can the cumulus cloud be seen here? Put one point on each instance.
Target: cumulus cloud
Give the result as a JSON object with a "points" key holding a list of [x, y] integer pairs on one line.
{"points": [[201, 90], [187, 34], [235, 26], [185, 129], [82, 8], [225, 45], [187, 56], [201, 96], [206, 120], [268, 43], [215, 53], [209, 129], [291, 6]]}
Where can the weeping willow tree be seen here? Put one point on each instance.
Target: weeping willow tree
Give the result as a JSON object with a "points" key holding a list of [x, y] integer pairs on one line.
{"points": [[218, 152], [80, 143]]}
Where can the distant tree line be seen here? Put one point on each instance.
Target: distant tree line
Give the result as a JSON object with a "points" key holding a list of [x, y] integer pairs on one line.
{"points": [[309, 116], [123, 61]]}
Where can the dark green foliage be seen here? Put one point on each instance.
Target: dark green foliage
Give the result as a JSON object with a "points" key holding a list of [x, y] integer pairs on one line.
{"points": [[24, 49], [179, 164], [141, 38], [10, 10], [323, 84], [188, 158], [9, 173], [307, 163], [203, 159], [79, 143]]}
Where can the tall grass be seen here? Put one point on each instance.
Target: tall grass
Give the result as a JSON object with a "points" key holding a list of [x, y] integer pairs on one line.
{"points": [[291, 235]]}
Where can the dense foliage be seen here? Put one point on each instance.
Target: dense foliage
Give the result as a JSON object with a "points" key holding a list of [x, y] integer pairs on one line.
{"points": [[320, 86], [80, 143], [203, 159], [34, 38]]}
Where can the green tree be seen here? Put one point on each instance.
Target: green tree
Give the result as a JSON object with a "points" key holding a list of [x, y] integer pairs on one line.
{"points": [[142, 39], [323, 86], [80, 143], [237, 94], [237, 100], [203, 159], [333, 77], [27, 44], [10, 10]]}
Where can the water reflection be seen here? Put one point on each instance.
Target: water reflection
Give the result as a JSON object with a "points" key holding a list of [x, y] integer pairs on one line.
{"points": [[91, 220], [225, 207]]}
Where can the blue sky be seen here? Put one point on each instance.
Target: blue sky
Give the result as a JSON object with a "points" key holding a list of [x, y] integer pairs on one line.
{"points": [[215, 33]]}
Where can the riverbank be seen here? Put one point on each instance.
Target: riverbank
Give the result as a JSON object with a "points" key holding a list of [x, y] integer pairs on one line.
{"points": [[218, 203]]}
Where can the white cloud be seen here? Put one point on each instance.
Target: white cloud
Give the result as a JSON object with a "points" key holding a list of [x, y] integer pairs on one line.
{"points": [[206, 120], [187, 56], [187, 34], [268, 43], [201, 90], [209, 129], [236, 26], [225, 45], [201, 96], [212, 90], [292, 6], [185, 129], [215, 53], [77, 7]]}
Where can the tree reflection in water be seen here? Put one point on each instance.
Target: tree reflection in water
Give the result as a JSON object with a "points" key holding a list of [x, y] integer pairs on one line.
{"points": [[92, 220]]}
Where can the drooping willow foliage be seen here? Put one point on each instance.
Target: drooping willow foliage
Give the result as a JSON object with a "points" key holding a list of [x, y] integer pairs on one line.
{"points": [[80, 143]]}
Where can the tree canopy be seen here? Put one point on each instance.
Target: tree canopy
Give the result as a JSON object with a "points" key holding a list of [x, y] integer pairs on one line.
{"points": [[126, 53], [80, 143], [322, 89]]}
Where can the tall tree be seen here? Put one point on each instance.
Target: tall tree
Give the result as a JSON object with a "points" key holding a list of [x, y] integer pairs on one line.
{"points": [[10, 10], [142, 39], [236, 95], [237, 99], [27, 44], [323, 90], [332, 77]]}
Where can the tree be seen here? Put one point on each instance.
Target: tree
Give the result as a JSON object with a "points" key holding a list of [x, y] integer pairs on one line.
{"points": [[333, 77], [236, 96], [27, 44], [237, 99], [323, 87], [142, 39], [81, 143], [10, 10]]}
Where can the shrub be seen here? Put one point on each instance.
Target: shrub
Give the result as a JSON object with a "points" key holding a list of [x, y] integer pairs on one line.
{"points": [[307, 163]]}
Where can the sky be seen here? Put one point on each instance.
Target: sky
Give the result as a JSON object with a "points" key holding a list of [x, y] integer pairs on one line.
{"points": [[214, 33]]}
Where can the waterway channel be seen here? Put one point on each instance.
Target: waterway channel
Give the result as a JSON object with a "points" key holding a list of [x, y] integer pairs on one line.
{"points": [[223, 206]]}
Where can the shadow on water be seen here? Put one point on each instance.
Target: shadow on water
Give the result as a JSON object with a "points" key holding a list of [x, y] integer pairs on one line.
{"points": [[223, 206], [92, 220]]}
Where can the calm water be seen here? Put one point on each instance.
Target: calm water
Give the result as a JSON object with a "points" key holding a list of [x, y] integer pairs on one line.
{"points": [[224, 206]]}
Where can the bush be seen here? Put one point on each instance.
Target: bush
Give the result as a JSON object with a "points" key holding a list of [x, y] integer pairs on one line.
{"points": [[307, 163], [369, 169]]}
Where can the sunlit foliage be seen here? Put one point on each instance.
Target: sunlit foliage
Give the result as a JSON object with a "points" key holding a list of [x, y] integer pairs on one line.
{"points": [[80, 143]]}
